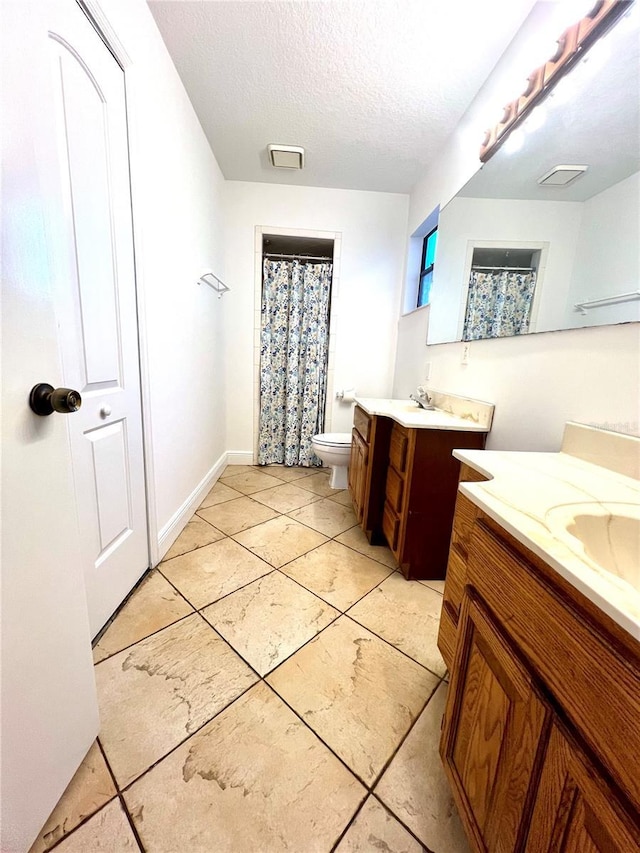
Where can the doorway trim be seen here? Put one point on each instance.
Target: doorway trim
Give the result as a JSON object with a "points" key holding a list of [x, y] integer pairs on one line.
{"points": [[100, 22], [541, 247], [336, 236]]}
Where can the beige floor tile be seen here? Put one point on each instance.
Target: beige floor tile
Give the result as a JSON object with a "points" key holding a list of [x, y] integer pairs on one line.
{"points": [[237, 515], [253, 779], [285, 498], [407, 615], [415, 788], [357, 692], [319, 484], [155, 694], [288, 473], [197, 533], [252, 481], [107, 831], [336, 573], [355, 538], [152, 606], [343, 498], [281, 540], [268, 620], [326, 516], [438, 586], [90, 788], [219, 494], [205, 575], [235, 470], [375, 829]]}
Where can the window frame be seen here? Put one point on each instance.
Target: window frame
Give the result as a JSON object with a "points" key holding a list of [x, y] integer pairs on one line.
{"points": [[424, 271]]}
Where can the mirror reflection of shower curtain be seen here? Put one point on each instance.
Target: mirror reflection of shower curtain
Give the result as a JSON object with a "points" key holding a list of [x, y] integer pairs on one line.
{"points": [[498, 304], [294, 352]]}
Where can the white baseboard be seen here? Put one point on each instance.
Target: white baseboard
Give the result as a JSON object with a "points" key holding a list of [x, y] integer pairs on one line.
{"points": [[178, 521], [240, 457]]}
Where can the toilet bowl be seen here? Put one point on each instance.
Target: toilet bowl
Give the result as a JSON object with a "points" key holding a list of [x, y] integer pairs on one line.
{"points": [[334, 449]]}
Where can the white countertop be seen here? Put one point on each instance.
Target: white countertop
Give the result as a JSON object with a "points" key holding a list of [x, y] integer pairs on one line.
{"points": [[524, 487], [409, 414]]}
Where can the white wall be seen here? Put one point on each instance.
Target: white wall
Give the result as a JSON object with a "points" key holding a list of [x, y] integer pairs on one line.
{"points": [[508, 222], [537, 381], [178, 215], [373, 228], [607, 259]]}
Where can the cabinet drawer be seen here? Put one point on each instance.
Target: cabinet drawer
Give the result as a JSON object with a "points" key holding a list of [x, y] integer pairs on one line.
{"points": [[447, 635], [398, 448], [455, 580], [465, 515], [362, 422], [394, 490], [390, 526], [597, 688]]}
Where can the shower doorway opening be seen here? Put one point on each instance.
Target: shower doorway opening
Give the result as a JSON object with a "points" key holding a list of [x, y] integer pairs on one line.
{"points": [[294, 342]]}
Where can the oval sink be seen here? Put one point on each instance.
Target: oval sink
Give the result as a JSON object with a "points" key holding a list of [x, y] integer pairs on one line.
{"points": [[607, 534]]}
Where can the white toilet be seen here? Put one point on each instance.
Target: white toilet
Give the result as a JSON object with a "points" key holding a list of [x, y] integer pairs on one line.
{"points": [[334, 448]]}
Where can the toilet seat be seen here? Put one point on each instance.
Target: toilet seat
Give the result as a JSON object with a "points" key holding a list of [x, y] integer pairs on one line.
{"points": [[333, 439]]}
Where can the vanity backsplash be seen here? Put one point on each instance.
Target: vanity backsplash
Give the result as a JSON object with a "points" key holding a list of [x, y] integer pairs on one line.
{"points": [[479, 412]]}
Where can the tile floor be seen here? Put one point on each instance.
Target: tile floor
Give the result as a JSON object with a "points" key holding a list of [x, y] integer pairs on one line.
{"points": [[274, 685]]}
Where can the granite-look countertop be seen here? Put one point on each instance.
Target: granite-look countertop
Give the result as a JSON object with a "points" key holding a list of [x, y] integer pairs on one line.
{"points": [[452, 412], [526, 488]]}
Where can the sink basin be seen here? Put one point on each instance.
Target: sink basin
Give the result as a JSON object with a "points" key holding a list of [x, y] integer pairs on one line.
{"points": [[606, 534]]}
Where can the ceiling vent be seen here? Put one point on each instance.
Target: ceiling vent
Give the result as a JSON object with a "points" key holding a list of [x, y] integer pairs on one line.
{"points": [[286, 156], [561, 176]]}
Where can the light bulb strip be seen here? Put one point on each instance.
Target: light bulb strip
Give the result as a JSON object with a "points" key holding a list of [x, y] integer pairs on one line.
{"points": [[574, 42]]}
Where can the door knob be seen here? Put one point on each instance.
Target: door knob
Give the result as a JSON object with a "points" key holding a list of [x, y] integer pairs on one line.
{"points": [[44, 399]]}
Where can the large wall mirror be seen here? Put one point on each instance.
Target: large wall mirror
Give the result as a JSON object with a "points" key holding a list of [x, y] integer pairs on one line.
{"points": [[516, 255]]}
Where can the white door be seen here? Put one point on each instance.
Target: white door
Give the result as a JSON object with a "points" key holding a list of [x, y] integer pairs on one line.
{"points": [[98, 309], [73, 520], [49, 708]]}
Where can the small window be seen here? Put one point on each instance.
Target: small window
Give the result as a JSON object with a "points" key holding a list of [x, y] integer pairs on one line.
{"points": [[426, 267]]}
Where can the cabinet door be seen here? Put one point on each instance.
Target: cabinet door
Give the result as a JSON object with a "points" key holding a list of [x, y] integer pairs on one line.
{"points": [[574, 810], [358, 473], [492, 732]]}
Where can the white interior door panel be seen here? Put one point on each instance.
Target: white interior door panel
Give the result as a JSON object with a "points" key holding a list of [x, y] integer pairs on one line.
{"points": [[99, 311]]}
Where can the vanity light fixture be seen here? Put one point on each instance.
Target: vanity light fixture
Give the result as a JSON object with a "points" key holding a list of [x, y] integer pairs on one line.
{"points": [[286, 156], [572, 46], [561, 176]]}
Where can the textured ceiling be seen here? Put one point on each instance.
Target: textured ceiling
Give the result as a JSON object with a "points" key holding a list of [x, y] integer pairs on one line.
{"points": [[370, 88]]}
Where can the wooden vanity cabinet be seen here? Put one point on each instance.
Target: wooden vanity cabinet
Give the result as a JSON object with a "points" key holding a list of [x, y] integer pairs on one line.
{"points": [[464, 517], [420, 496], [574, 810], [369, 447], [358, 469], [491, 732], [541, 733], [403, 484]]}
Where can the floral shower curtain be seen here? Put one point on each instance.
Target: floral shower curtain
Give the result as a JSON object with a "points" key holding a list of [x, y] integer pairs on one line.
{"points": [[294, 346], [498, 304]]}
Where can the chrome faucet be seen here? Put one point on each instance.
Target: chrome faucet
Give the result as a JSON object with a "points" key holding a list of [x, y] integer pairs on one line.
{"points": [[422, 398]]}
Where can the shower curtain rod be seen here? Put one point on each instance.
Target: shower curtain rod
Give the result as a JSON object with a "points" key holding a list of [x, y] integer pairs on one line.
{"points": [[518, 269], [298, 257]]}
